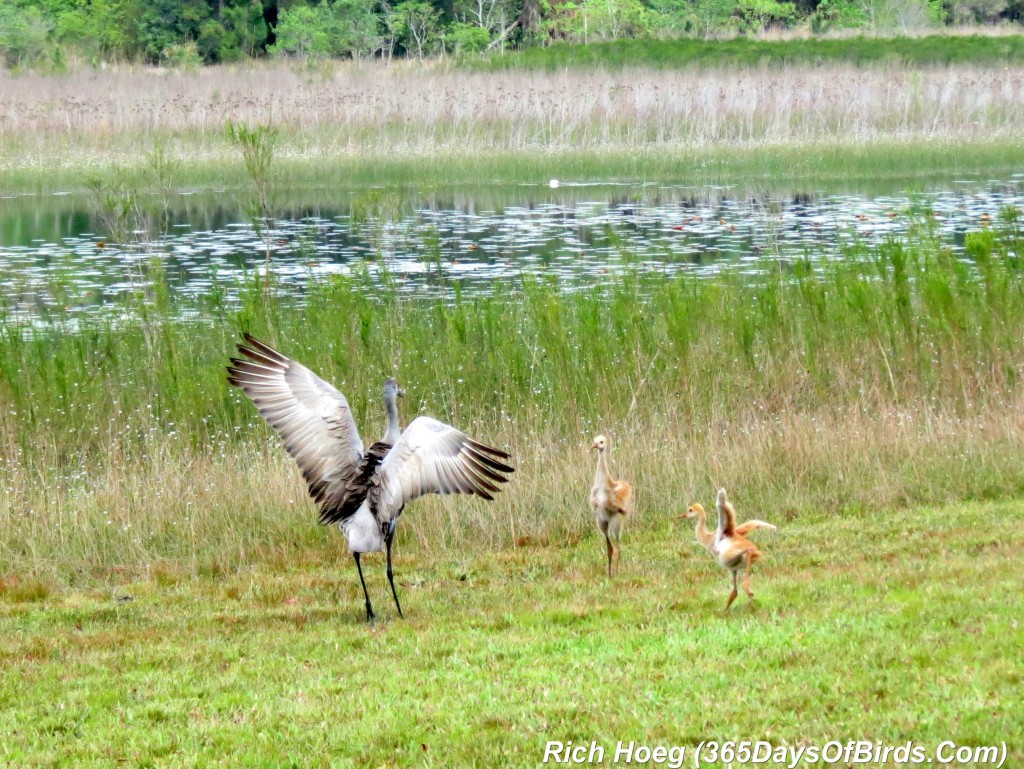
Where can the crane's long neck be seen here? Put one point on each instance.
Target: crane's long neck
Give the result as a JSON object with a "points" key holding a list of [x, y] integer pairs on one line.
{"points": [[700, 529], [393, 431], [601, 477]]}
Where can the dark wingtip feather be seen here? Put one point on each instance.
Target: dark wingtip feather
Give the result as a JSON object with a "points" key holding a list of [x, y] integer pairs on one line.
{"points": [[483, 451], [490, 449], [495, 464], [262, 351]]}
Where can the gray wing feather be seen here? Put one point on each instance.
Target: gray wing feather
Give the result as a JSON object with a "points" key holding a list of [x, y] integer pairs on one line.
{"points": [[434, 458], [312, 418]]}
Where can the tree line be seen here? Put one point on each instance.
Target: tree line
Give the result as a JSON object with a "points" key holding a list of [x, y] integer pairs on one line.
{"points": [[46, 33]]}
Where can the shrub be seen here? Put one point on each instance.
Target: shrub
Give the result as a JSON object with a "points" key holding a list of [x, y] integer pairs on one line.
{"points": [[182, 56], [466, 39]]}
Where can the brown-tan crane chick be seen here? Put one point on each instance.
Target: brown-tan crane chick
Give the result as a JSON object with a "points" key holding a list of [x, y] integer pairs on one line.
{"points": [[611, 501], [706, 537], [728, 544]]}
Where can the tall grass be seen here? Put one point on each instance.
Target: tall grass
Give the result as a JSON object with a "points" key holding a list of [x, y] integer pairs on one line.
{"points": [[633, 121], [889, 378]]}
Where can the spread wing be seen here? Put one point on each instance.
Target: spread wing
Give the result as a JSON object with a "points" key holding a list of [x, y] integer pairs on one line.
{"points": [[312, 418], [434, 458], [745, 528]]}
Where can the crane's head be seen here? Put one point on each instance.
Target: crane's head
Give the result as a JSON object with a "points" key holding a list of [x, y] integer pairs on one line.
{"points": [[600, 443], [693, 511], [392, 389]]}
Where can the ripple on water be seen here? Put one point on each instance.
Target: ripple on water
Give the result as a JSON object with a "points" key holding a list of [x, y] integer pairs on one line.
{"points": [[577, 243]]}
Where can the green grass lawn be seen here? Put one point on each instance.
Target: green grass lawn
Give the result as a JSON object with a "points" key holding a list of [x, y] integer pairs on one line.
{"points": [[895, 627]]}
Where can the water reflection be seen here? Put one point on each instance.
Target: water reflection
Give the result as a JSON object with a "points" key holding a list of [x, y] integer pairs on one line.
{"points": [[208, 243]]}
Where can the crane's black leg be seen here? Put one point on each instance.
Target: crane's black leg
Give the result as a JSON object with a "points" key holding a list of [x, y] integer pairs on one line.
{"points": [[391, 574], [369, 608]]}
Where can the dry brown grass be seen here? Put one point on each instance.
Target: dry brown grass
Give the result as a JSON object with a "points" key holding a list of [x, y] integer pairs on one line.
{"points": [[114, 115], [171, 509]]}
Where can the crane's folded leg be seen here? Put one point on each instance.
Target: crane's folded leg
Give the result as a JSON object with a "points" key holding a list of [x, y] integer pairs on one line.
{"points": [[369, 608], [391, 574]]}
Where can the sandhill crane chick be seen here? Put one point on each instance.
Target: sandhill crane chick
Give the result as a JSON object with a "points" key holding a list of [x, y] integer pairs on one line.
{"points": [[611, 501], [733, 550], [705, 537]]}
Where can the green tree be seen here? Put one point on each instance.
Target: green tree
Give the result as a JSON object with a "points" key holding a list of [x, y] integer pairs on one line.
{"points": [[976, 11], [164, 23], [303, 32], [210, 42], [418, 24], [837, 14], [100, 29], [498, 18], [672, 18], [24, 36], [613, 19], [560, 20], [344, 28], [904, 15], [245, 31], [758, 15], [359, 25], [715, 15]]}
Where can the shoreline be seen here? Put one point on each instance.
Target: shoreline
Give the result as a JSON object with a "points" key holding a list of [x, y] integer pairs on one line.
{"points": [[297, 175]]}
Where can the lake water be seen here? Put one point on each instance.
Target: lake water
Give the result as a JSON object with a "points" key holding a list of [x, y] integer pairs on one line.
{"points": [[55, 251]]}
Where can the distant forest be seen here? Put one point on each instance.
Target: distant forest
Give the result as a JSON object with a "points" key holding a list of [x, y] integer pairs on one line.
{"points": [[48, 34]]}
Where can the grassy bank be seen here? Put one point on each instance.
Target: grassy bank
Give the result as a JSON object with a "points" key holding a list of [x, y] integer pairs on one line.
{"points": [[887, 379], [348, 126], [493, 180], [920, 51], [888, 626]]}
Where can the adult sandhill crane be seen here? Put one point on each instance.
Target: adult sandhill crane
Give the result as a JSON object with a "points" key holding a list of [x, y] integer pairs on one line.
{"points": [[363, 492], [611, 501], [729, 544], [706, 537]]}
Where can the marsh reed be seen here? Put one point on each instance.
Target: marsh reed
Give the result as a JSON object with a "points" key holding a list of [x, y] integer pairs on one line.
{"points": [[102, 118]]}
